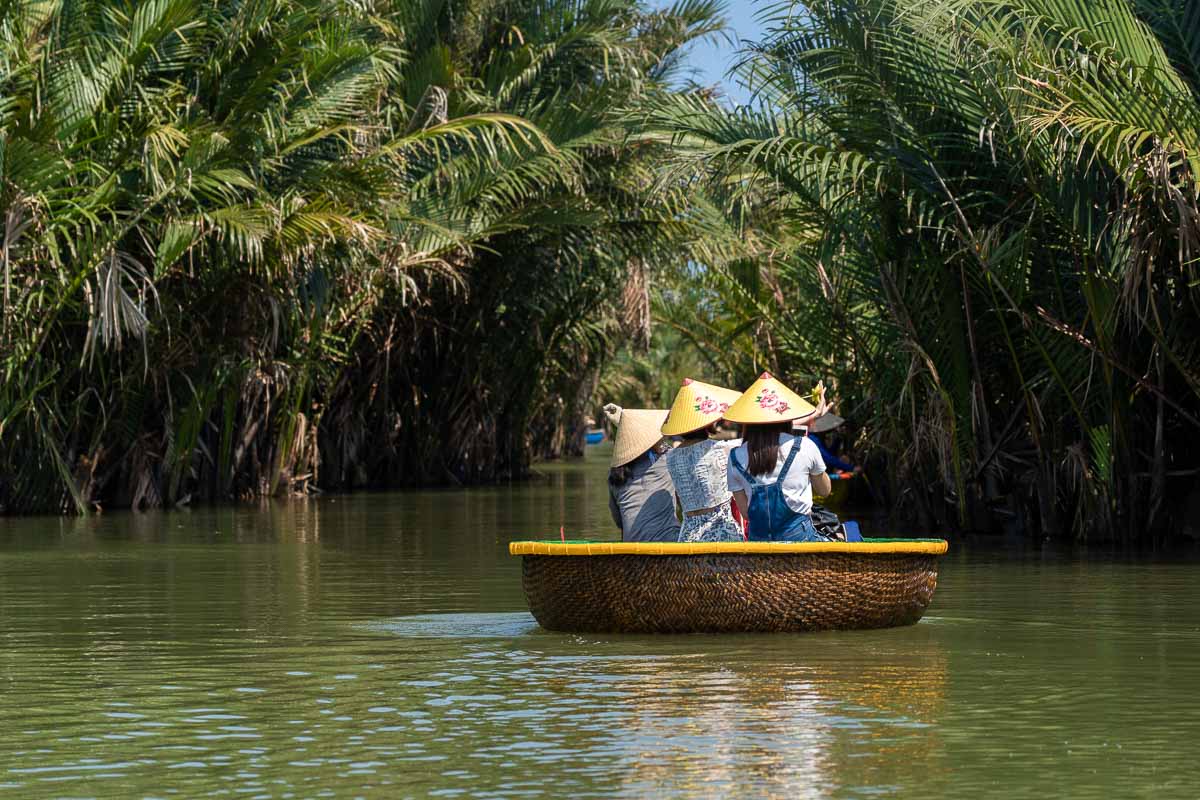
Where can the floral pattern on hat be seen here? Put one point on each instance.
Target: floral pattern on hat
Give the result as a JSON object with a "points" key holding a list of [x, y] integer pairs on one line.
{"points": [[697, 405], [767, 401], [770, 400], [707, 405]]}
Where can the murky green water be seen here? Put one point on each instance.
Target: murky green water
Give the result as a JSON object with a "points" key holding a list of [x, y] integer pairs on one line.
{"points": [[378, 646]]}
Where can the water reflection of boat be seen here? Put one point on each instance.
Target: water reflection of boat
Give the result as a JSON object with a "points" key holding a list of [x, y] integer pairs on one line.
{"points": [[725, 587], [595, 437], [794, 719]]}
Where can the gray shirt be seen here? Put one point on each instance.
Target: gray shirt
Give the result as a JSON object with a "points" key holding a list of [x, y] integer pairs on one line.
{"points": [[644, 508]]}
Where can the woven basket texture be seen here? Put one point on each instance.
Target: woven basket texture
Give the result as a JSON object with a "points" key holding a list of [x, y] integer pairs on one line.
{"points": [[728, 592]]}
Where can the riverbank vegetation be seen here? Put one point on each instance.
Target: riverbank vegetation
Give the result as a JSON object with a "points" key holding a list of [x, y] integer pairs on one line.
{"points": [[262, 246], [257, 247], [979, 220]]}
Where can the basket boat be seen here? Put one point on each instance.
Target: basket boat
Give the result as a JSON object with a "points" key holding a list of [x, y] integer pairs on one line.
{"points": [[627, 587]]}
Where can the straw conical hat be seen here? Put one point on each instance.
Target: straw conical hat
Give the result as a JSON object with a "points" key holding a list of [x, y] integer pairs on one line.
{"points": [[638, 429], [697, 405], [826, 423], [768, 400]]}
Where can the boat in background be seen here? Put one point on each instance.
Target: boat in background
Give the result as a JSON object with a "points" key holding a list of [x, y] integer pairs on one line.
{"points": [[841, 482]]}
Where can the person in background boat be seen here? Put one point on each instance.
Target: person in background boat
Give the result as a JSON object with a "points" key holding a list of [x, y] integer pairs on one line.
{"points": [[591, 433], [774, 472], [816, 431], [640, 494], [699, 465]]}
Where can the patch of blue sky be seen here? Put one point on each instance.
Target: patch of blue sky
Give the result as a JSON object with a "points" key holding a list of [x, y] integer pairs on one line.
{"points": [[709, 62]]}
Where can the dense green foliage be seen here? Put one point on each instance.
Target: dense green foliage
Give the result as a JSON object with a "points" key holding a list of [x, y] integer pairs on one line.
{"points": [[275, 244], [979, 220], [254, 247]]}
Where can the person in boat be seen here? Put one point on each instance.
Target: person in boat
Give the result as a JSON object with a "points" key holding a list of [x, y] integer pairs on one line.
{"points": [[640, 494], [817, 431], [699, 464], [774, 472], [728, 432]]}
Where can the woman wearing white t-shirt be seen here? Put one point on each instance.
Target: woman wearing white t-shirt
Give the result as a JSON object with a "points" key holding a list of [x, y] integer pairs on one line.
{"points": [[773, 473]]}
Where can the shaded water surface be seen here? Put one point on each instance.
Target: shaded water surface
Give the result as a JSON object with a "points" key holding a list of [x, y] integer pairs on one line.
{"points": [[379, 646]]}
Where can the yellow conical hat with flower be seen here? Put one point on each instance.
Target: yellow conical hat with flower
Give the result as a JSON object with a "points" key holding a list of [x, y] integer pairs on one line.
{"points": [[697, 405], [768, 400]]}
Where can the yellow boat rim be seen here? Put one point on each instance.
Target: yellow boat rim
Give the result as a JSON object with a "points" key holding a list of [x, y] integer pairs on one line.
{"points": [[905, 546]]}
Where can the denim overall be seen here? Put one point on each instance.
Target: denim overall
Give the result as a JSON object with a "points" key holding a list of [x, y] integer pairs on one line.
{"points": [[771, 518]]}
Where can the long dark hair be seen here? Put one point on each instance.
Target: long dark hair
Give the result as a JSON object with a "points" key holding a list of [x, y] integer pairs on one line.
{"points": [[762, 445]]}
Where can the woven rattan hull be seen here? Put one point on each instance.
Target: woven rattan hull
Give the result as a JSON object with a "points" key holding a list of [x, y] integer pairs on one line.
{"points": [[728, 592]]}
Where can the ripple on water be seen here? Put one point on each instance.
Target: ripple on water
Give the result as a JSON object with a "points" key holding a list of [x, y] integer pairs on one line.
{"points": [[1028, 679], [459, 626]]}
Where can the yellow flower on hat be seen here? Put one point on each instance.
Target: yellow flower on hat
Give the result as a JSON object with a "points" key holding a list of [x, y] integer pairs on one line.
{"points": [[767, 400], [697, 405]]}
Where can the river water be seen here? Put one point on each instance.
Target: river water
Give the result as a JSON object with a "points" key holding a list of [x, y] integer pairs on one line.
{"points": [[378, 645]]}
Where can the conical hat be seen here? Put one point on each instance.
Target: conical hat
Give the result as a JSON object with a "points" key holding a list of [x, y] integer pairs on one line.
{"points": [[826, 423], [638, 429], [697, 405], [768, 400]]}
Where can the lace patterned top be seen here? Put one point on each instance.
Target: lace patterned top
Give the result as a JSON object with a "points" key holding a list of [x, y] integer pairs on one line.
{"points": [[700, 474]]}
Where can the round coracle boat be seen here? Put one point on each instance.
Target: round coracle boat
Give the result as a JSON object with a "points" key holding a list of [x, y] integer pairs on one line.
{"points": [[627, 587]]}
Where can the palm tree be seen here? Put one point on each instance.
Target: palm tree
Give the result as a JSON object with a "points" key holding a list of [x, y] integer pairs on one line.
{"points": [[981, 224], [244, 241]]}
